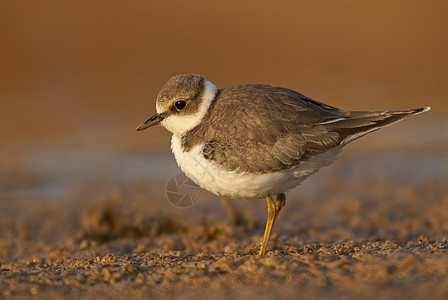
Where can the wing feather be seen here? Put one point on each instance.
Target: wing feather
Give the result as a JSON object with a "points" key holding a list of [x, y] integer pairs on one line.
{"points": [[264, 128]]}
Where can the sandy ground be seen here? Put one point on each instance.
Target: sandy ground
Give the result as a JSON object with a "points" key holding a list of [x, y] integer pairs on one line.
{"points": [[372, 225]]}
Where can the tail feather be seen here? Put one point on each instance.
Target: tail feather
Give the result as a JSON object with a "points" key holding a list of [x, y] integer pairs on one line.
{"points": [[360, 123], [362, 114]]}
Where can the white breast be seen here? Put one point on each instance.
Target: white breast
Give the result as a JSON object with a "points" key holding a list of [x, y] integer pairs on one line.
{"points": [[234, 184]]}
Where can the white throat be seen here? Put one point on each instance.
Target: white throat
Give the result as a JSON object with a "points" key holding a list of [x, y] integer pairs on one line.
{"points": [[178, 124]]}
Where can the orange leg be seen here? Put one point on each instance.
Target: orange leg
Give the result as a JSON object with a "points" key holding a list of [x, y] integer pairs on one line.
{"points": [[273, 211]]}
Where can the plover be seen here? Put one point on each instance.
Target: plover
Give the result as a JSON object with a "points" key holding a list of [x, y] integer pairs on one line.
{"points": [[256, 140]]}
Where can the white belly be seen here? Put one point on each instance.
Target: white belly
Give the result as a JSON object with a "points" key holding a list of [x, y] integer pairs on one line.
{"points": [[212, 177]]}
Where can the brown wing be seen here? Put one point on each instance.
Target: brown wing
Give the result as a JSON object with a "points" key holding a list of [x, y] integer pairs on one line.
{"points": [[263, 128]]}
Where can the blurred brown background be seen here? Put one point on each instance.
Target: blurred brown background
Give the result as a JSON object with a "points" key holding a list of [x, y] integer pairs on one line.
{"points": [[77, 77], [97, 65]]}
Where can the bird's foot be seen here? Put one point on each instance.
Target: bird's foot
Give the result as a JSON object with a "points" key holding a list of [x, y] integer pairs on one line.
{"points": [[251, 250]]}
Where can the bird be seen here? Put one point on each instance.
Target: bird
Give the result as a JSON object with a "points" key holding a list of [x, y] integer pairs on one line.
{"points": [[256, 140]]}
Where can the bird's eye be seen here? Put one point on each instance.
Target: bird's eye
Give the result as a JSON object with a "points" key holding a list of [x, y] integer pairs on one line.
{"points": [[180, 104]]}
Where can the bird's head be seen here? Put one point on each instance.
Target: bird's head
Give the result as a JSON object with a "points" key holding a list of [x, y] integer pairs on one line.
{"points": [[182, 103]]}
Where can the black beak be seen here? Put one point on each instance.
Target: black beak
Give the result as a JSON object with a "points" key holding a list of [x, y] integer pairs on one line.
{"points": [[154, 120]]}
